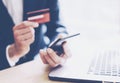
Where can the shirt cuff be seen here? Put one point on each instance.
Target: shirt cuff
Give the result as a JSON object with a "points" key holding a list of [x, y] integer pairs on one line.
{"points": [[11, 62]]}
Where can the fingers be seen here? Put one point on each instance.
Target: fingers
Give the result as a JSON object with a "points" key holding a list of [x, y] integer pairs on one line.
{"points": [[24, 36], [55, 58], [67, 52], [21, 37], [24, 33], [50, 61], [50, 57], [26, 24], [42, 54]]}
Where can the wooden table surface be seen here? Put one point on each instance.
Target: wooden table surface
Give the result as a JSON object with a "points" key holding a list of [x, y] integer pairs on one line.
{"points": [[30, 72]]}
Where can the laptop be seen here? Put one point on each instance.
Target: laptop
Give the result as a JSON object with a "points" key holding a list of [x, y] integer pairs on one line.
{"points": [[91, 61]]}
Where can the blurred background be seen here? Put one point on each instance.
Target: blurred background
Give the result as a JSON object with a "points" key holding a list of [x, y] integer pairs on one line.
{"points": [[94, 19]]}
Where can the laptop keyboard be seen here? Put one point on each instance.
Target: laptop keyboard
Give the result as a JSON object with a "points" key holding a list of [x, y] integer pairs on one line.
{"points": [[106, 63]]}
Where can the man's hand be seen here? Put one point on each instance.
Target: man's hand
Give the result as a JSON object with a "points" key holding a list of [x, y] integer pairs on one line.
{"points": [[23, 37], [50, 56]]}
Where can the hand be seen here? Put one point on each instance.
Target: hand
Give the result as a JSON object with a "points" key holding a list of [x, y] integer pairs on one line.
{"points": [[23, 37], [50, 57]]}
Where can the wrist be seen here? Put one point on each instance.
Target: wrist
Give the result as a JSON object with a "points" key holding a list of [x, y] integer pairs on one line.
{"points": [[12, 61], [13, 54]]}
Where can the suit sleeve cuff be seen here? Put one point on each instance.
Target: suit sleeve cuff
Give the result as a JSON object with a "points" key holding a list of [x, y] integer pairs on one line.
{"points": [[11, 62]]}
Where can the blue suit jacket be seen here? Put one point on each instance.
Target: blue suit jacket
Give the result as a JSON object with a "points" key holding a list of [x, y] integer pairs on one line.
{"points": [[6, 25]]}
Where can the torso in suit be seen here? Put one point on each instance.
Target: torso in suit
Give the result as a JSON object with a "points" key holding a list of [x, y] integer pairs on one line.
{"points": [[6, 25]]}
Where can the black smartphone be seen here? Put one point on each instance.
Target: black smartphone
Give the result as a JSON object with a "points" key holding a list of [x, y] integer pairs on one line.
{"points": [[56, 45]]}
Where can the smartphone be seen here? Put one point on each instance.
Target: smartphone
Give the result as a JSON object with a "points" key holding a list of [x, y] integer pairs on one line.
{"points": [[56, 45]]}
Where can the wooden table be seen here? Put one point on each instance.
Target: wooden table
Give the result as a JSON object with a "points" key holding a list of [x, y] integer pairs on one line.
{"points": [[30, 72]]}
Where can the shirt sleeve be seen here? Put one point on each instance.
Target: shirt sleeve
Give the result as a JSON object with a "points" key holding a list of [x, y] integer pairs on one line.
{"points": [[11, 62]]}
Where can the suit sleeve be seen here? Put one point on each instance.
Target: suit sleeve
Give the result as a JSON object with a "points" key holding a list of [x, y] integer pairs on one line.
{"points": [[55, 26], [3, 60]]}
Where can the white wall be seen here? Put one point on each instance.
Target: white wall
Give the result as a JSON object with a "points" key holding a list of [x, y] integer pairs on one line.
{"points": [[94, 19]]}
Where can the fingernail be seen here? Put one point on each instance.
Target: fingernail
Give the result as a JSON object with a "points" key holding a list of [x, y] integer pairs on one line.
{"points": [[49, 50], [56, 65], [41, 51], [36, 24]]}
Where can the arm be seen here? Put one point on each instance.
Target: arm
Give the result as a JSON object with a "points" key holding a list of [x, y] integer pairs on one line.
{"points": [[54, 29], [3, 60], [23, 38]]}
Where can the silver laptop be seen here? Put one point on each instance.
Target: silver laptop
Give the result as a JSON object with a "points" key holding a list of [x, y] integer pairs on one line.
{"points": [[91, 61]]}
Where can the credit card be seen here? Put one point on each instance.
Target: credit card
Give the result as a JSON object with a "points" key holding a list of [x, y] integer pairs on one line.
{"points": [[39, 16]]}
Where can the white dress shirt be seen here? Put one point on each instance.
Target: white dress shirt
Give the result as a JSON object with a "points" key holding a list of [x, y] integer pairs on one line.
{"points": [[15, 9]]}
